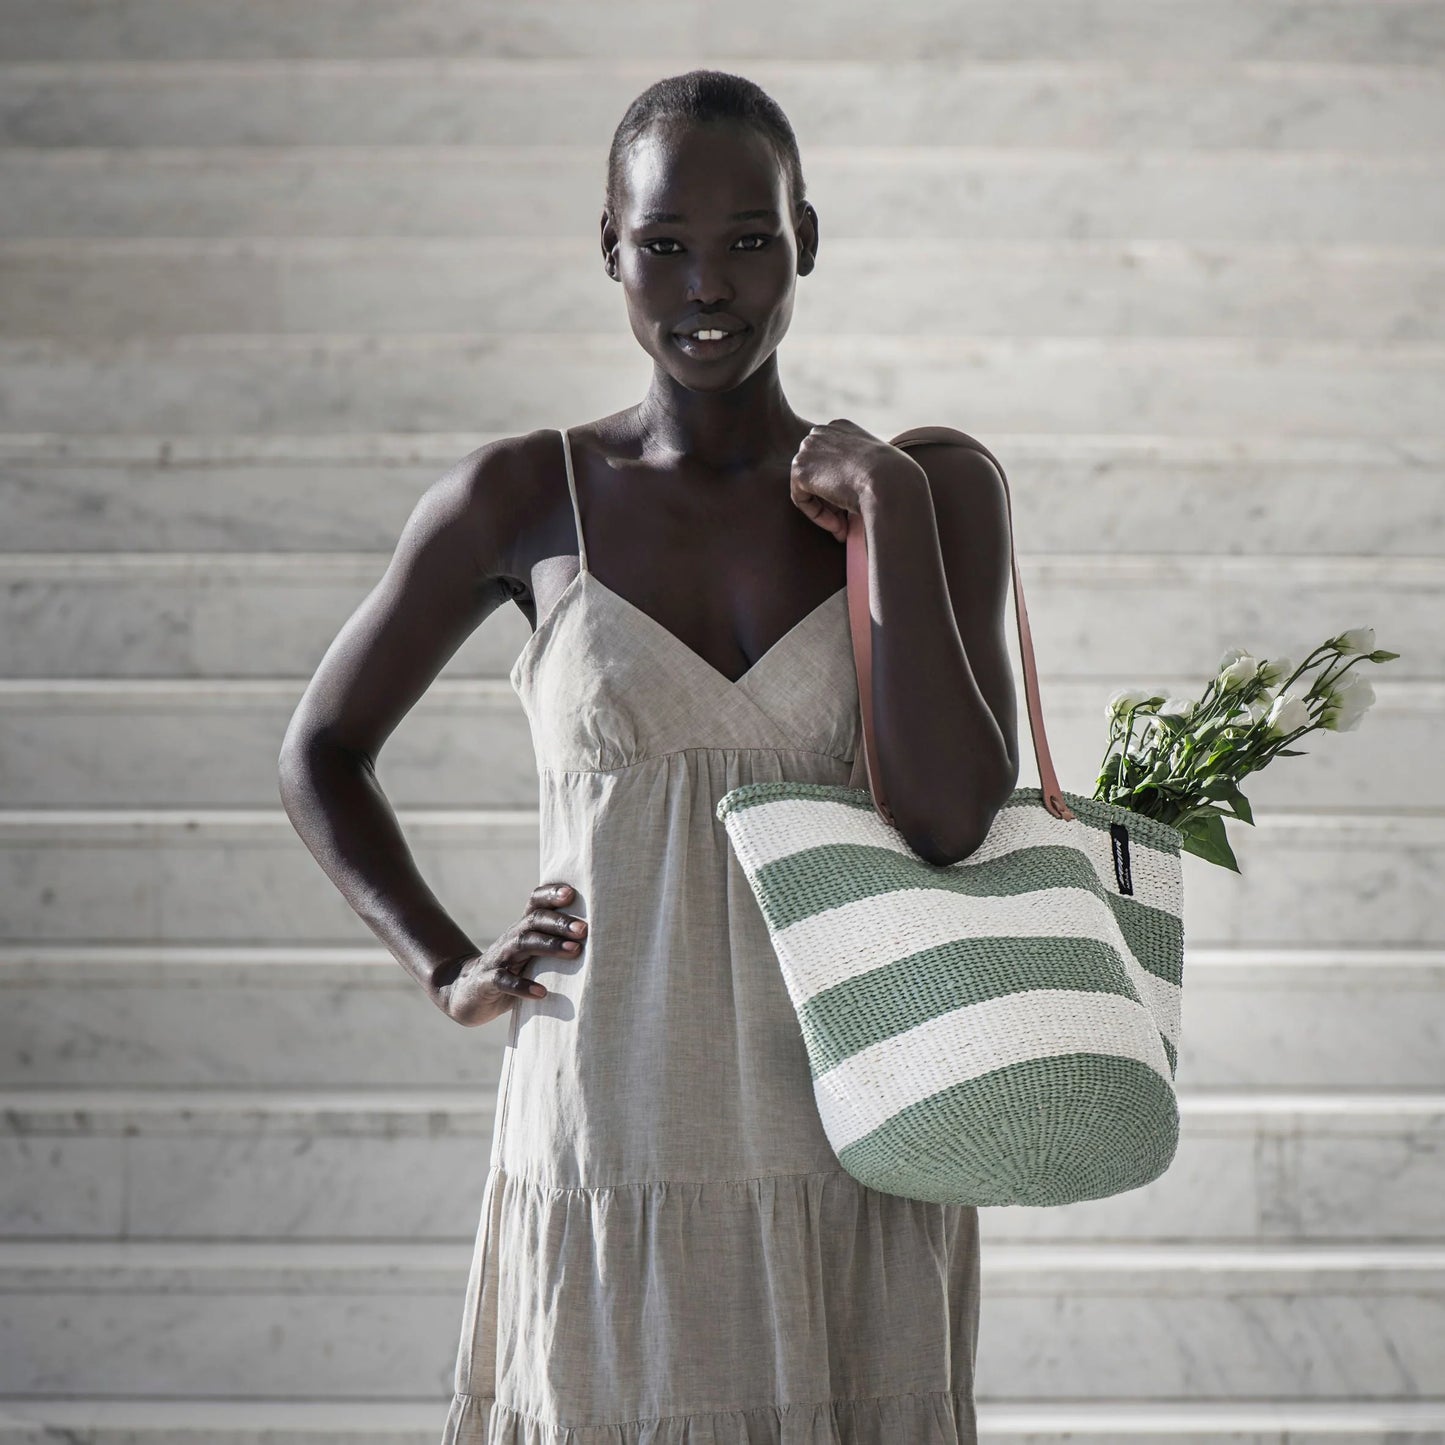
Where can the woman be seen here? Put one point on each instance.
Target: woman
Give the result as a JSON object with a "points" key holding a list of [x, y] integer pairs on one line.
{"points": [[668, 1250]]}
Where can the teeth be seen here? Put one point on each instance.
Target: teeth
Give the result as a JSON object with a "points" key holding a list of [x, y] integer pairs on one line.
{"points": [[708, 335]]}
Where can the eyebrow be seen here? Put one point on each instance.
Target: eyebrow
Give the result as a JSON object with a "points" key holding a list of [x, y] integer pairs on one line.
{"points": [[650, 218]]}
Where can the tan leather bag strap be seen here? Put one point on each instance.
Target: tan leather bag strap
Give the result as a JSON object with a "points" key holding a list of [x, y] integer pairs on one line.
{"points": [[860, 620]]}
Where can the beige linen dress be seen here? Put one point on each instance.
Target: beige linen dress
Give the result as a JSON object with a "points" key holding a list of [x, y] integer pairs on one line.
{"points": [[669, 1252]]}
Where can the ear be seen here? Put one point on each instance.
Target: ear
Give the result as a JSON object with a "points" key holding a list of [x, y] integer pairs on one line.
{"points": [[610, 241], [807, 233]]}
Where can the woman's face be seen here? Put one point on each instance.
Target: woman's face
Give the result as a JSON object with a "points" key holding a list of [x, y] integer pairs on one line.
{"points": [[705, 238]]}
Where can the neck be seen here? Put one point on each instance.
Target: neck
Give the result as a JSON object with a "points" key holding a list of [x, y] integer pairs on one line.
{"points": [[745, 428]]}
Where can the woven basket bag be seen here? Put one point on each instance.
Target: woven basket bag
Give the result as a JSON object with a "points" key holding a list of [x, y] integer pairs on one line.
{"points": [[1001, 1030]]}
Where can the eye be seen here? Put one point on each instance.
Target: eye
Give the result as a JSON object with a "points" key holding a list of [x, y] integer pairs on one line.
{"points": [[669, 241]]}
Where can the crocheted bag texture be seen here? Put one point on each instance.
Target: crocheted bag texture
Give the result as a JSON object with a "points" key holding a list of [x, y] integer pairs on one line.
{"points": [[1001, 1030]]}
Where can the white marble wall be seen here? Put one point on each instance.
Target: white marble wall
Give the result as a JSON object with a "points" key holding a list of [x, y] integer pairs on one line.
{"points": [[266, 270]]}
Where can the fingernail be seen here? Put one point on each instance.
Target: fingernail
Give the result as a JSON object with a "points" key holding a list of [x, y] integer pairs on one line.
{"points": [[577, 926]]}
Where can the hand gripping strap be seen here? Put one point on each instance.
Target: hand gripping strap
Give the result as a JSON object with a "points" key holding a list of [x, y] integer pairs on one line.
{"points": [[860, 620]]}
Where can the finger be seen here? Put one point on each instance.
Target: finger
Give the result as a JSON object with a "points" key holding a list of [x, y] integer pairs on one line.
{"points": [[545, 893], [515, 983], [561, 926], [534, 942], [547, 919]]}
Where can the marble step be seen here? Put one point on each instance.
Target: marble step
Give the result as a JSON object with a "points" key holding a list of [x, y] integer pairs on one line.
{"points": [[1298, 198], [1067, 103], [329, 1164], [1408, 32], [380, 1320], [40, 1420], [212, 743], [144, 1016], [185, 876], [316, 383], [294, 1017], [1122, 620], [1073, 493], [81, 289]]}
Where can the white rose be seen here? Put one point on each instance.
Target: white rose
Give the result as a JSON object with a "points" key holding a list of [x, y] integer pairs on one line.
{"points": [[1347, 703], [1237, 673], [1180, 707], [1126, 697], [1287, 714], [1274, 670], [1357, 639]]}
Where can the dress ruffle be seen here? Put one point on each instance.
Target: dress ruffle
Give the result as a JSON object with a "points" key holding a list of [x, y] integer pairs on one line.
{"points": [[691, 1303], [937, 1418]]}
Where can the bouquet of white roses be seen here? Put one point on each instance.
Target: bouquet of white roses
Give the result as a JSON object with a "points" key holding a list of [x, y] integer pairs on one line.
{"points": [[1180, 761]]}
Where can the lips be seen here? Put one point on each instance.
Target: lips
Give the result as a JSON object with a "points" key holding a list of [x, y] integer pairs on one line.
{"points": [[704, 350], [730, 324]]}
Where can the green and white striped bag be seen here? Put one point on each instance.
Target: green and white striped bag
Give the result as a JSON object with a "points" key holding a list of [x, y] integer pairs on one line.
{"points": [[1002, 1030]]}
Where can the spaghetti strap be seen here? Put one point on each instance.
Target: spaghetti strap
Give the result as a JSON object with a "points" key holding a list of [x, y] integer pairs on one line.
{"points": [[572, 488]]}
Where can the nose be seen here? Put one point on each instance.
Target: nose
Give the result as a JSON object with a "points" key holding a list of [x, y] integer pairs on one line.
{"points": [[709, 283]]}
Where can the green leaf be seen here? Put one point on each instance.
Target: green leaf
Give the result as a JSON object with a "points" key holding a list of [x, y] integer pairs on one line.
{"points": [[1204, 836], [1291, 753], [1241, 805]]}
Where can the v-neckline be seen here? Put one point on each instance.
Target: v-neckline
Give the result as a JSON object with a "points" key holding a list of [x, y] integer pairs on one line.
{"points": [[691, 652], [545, 624]]}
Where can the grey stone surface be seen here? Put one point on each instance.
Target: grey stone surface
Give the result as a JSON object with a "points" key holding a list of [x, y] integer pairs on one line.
{"points": [[1078, 102], [91, 288], [1086, 494], [374, 1164], [183, 742], [365, 1321], [243, 876], [422, 382], [267, 270], [289, 1016], [1120, 619], [1410, 32], [1333, 198]]}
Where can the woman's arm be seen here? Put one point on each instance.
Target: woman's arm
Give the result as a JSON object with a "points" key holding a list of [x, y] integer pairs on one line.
{"points": [[944, 706], [445, 576]]}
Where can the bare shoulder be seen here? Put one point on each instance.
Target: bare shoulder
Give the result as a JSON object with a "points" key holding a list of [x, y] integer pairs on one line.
{"points": [[970, 495], [949, 451], [496, 494], [957, 464]]}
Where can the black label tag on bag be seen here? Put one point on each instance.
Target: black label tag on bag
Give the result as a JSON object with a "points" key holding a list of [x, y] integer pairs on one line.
{"points": [[1119, 834]]}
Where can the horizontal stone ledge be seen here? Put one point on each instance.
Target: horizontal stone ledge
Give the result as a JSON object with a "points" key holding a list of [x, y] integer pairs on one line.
{"points": [[1183, 573], [404, 448], [145, 693], [119, 694], [1223, 195], [212, 1264], [105, 288], [901, 351], [39, 826], [844, 251], [1133, 31], [38, 962], [582, 157], [141, 1110], [243, 1420]]}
